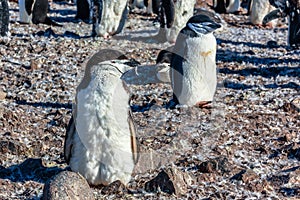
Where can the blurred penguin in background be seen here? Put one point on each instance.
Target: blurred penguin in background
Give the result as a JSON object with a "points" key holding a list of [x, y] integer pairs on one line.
{"points": [[193, 64], [259, 9], [226, 6], [109, 17], [100, 140], [152, 6], [4, 17], [290, 9], [35, 11], [173, 17], [84, 10]]}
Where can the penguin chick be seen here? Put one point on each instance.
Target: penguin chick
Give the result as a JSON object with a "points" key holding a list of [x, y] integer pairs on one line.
{"points": [[100, 140], [35, 11], [193, 65], [109, 17], [290, 9], [4, 17], [226, 6]]}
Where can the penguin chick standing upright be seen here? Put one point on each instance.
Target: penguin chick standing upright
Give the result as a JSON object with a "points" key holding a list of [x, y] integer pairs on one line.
{"points": [[193, 64], [100, 141]]}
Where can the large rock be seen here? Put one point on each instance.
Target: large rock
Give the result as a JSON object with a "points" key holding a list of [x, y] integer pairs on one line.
{"points": [[171, 181], [67, 185]]}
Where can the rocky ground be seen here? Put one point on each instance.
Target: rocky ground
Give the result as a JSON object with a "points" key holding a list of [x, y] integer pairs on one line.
{"points": [[247, 146]]}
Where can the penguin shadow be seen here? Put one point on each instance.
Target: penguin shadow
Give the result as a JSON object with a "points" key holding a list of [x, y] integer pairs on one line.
{"points": [[45, 104], [249, 57], [32, 169], [270, 44]]}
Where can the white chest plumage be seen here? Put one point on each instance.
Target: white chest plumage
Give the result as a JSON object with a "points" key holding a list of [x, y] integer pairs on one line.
{"points": [[101, 149], [199, 70]]}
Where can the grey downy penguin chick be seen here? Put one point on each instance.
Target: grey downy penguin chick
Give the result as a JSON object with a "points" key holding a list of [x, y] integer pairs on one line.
{"points": [[173, 17], [226, 6], [35, 11], [193, 64], [109, 17], [4, 17], [100, 140], [290, 9]]}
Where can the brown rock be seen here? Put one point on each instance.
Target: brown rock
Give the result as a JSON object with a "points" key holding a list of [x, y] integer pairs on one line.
{"points": [[171, 181], [213, 165], [67, 185], [295, 177], [249, 176], [116, 187], [2, 95]]}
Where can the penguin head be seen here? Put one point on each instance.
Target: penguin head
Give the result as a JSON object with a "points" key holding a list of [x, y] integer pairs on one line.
{"points": [[202, 24]]}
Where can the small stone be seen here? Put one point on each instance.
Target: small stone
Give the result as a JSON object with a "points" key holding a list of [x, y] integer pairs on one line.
{"points": [[171, 181], [2, 95], [67, 185], [295, 177], [249, 176]]}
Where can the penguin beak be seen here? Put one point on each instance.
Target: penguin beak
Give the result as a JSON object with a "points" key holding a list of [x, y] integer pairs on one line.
{"points": [[275, 14], [169, 8]]}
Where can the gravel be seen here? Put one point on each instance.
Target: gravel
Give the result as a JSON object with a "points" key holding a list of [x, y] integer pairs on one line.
{"points": [[253, 125]]}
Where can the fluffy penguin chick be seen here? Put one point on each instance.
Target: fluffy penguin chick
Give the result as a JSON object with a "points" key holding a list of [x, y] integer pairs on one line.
{"points": [[193, 66], [100, 142]]}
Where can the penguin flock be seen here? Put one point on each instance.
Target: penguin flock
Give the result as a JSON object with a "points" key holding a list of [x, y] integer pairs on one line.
{"points": [[101, 141]]}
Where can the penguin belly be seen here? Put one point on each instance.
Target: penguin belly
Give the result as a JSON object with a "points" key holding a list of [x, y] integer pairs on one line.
{"points": [[259, 9], [102, 143], [184, 9], [199, 79]]}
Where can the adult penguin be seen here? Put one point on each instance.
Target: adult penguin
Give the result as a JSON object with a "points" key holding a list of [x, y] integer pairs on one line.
{"points": [[290, 9], [109, 17], [193, 65], [35, 11], [100, 140], [173, 17], [226, 6]]}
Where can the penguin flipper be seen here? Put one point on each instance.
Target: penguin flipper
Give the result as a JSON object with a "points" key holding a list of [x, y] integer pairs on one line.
{"points": [[275, 14], [71, 129], [134, 142]]}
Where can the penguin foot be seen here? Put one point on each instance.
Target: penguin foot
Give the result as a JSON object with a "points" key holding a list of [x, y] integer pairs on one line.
{"points": [[204, 104]]}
